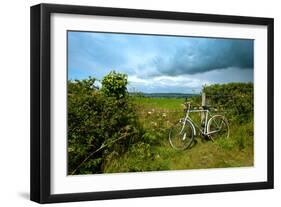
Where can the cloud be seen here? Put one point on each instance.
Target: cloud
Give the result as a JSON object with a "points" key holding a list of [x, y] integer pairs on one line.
{"points": [[188, 83], [166, 84], [204, 55]]}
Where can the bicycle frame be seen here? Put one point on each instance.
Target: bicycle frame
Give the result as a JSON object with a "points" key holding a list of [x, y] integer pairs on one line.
{"points": [[207, 113]]}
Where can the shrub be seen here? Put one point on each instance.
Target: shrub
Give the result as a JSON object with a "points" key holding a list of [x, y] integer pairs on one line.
{"points": [[235, 98], [115, 84], [96, 119]]}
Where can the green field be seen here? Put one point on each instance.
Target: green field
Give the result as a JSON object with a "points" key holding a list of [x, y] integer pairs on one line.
{"points": [[159, 103], [157, 115], [159, 111]]}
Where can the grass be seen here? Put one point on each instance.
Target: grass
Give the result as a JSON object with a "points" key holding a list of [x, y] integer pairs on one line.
{"points": [[159, 103], [157, 115]]}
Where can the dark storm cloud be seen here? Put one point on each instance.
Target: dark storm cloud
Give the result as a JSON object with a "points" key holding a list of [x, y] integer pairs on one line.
{"points": [[203, 55]]}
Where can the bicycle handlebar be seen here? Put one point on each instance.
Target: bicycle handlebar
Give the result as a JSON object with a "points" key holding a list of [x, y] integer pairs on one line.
{"points": [[187, 104]]}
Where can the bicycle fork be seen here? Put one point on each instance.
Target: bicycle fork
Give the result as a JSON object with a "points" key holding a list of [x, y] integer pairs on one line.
{"points": [[183, 125]]}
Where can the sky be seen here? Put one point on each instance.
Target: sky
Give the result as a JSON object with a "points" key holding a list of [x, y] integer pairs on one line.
{"points": [[158, 63]]}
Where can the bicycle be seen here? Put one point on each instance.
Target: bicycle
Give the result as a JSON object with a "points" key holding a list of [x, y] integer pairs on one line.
{"points": [[181, 135]]}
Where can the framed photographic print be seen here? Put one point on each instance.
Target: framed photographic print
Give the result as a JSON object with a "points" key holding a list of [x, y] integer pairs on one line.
{"points": [[132, 103]]}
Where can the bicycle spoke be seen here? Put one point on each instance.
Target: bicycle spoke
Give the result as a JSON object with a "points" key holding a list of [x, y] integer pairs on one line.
{"points": [[217, 127], [181, 136]]}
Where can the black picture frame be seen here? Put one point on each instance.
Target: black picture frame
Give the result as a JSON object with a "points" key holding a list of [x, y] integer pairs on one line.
{"points": [[41, 96]]}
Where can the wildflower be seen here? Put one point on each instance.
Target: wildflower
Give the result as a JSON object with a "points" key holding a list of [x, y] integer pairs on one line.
{"points": [[154, 123]]}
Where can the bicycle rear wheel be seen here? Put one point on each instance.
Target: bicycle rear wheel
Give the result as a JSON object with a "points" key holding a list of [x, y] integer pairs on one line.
{"points": [[218, 127], [181, 135]]}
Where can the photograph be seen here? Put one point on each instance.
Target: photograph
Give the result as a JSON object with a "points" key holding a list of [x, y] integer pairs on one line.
{"points": [[151, 102]]}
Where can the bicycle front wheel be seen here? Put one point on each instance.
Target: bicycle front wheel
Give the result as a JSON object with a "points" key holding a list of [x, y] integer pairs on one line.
{"points": [[218, 127], [181, 135]]}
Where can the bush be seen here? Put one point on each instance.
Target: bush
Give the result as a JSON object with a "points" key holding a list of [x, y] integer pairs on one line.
{"points": [[97, 118], [115, 84], [235, 98]]}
